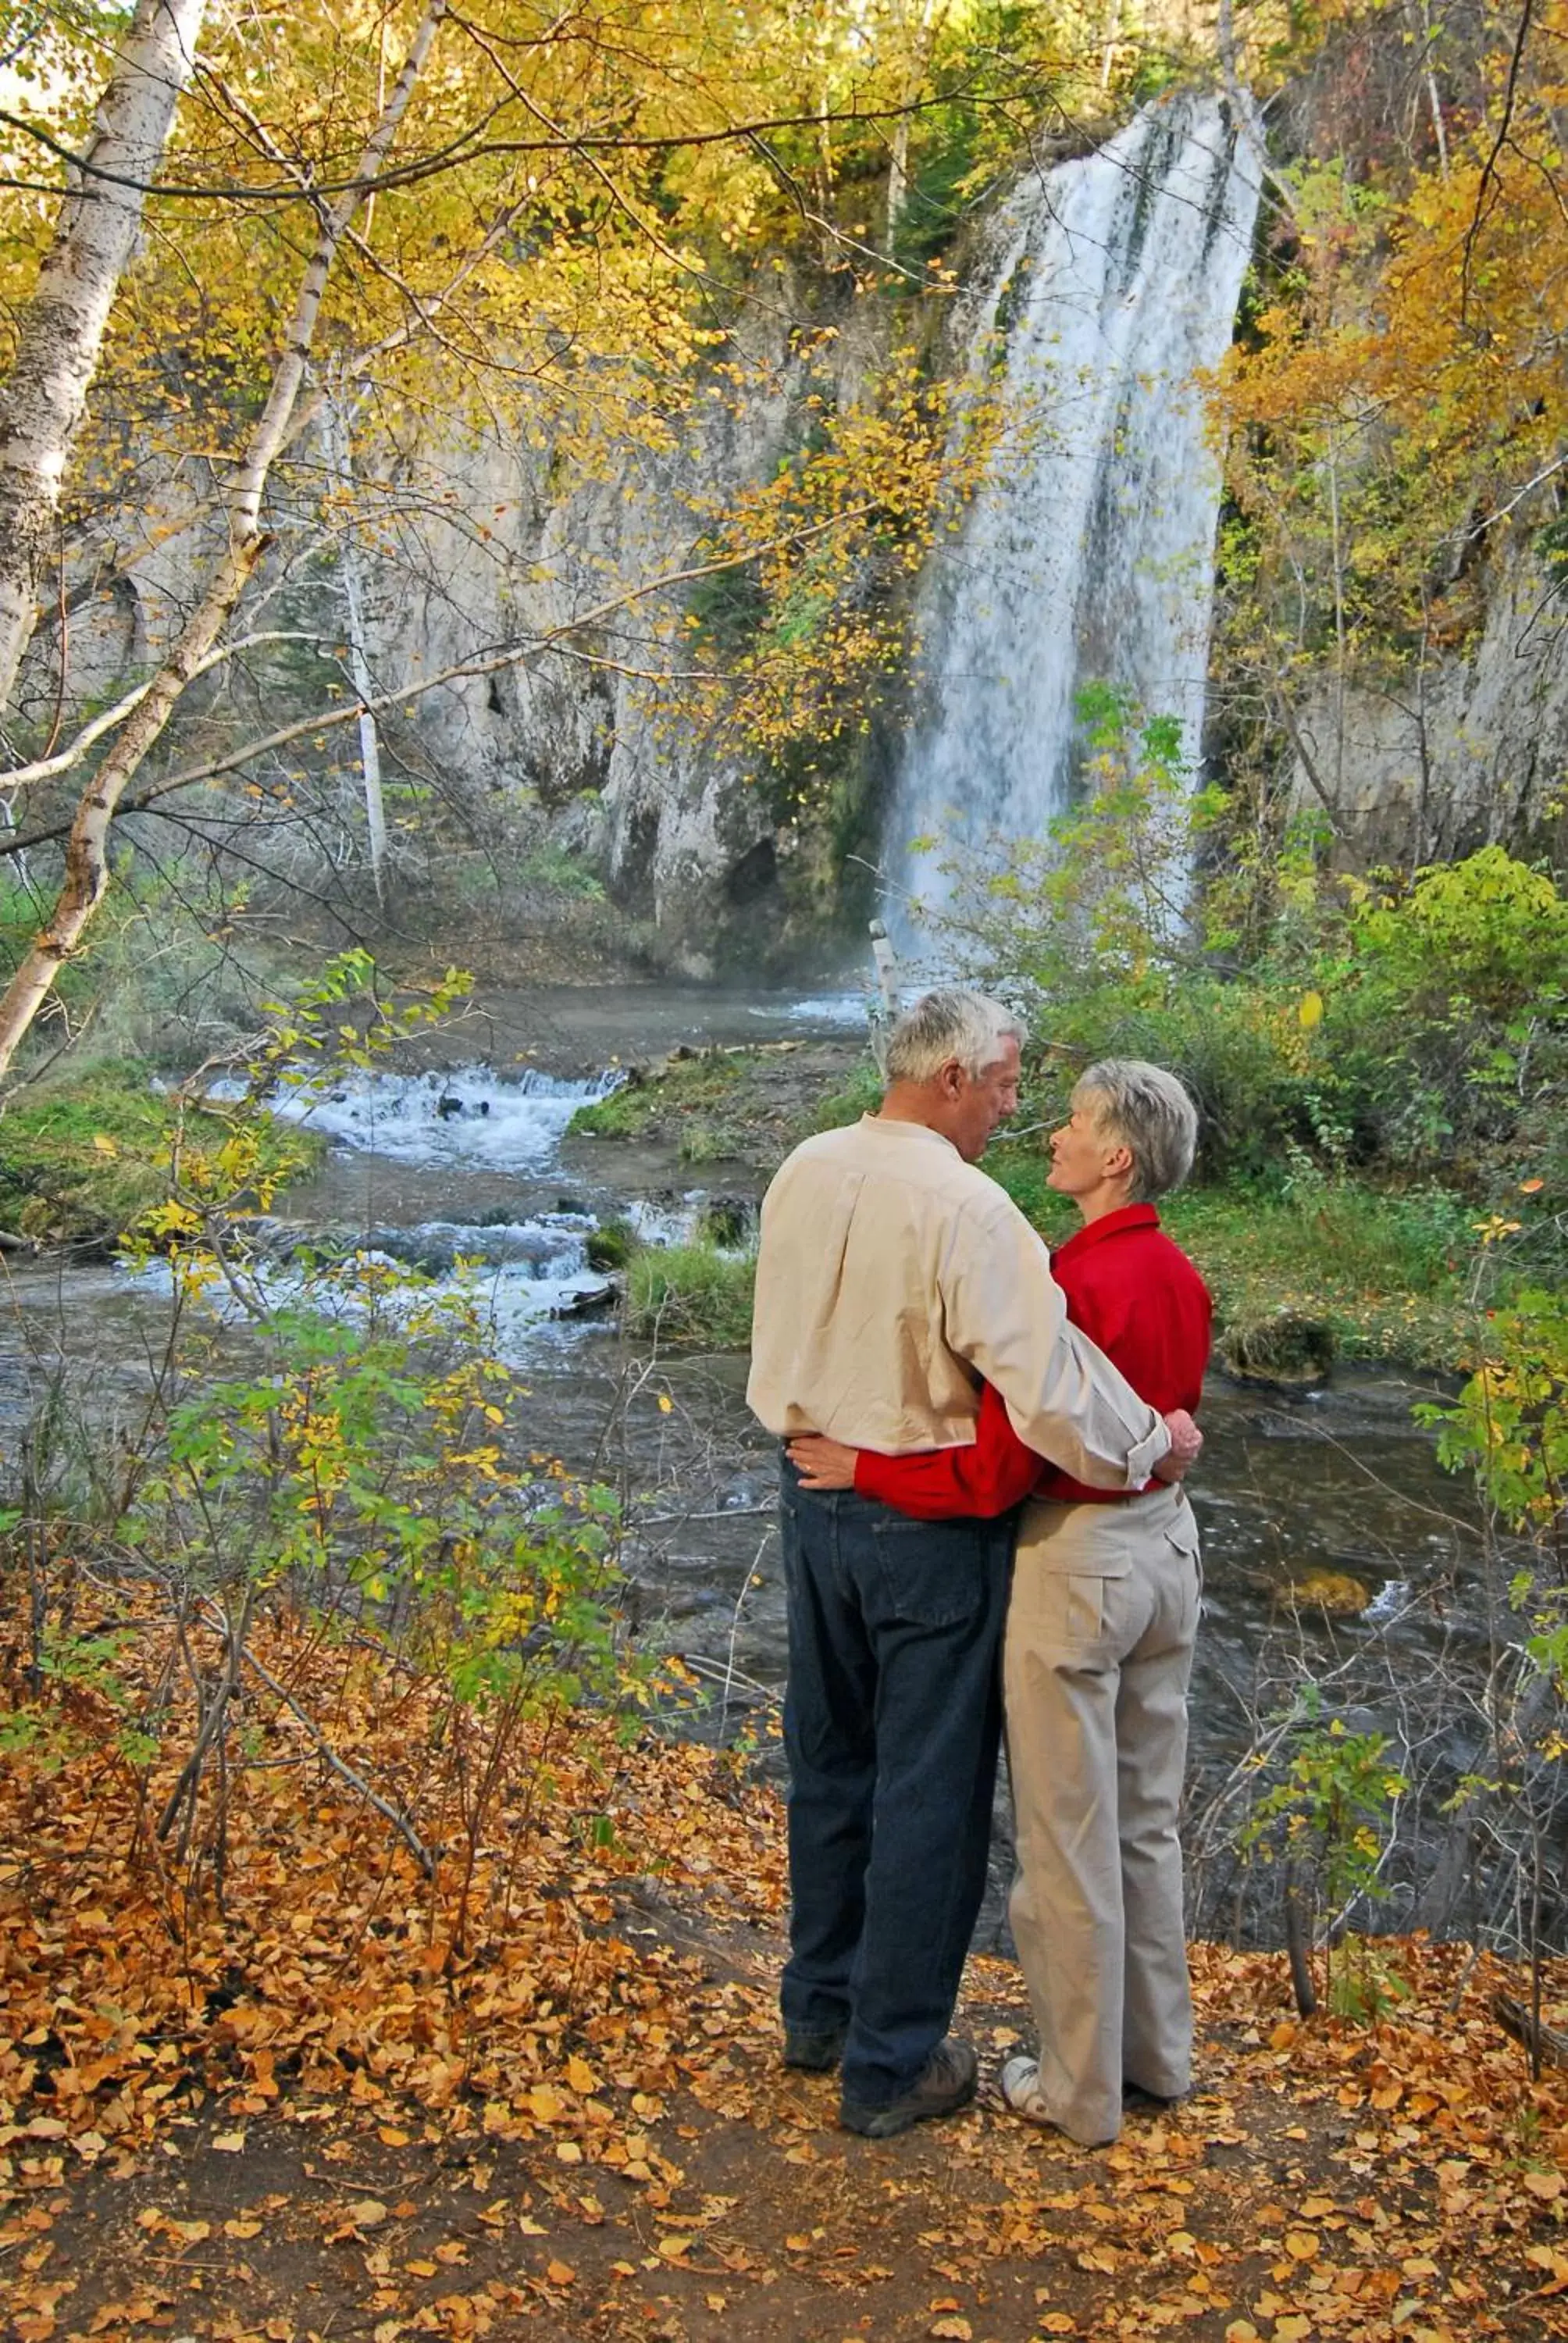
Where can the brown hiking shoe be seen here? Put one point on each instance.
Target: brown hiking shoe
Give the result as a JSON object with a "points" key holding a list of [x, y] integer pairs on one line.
{"points": [[946, 2085]]}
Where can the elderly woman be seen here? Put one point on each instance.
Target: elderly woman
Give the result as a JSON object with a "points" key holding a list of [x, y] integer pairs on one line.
{"points": [[1099, 1631]]}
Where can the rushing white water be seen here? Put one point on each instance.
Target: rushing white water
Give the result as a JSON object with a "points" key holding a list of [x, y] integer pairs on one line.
{"points": [[1091, 558], [528, 1274], [472, 1116]]}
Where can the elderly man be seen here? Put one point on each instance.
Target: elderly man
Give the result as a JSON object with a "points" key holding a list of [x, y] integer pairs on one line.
{"points": [[892, 1276]]}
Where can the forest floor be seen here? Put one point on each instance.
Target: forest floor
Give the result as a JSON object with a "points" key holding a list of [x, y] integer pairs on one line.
{"points": [[542, 2090]]}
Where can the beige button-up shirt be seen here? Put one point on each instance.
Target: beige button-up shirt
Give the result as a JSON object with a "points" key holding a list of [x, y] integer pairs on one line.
{"points": [[890, 1276]]}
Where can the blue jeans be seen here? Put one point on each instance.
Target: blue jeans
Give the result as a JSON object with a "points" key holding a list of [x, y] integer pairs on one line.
{"points": [[892, 1722]]}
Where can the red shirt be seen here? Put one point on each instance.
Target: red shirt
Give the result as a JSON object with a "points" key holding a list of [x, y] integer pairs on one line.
{"points": [[1133, 1292]]}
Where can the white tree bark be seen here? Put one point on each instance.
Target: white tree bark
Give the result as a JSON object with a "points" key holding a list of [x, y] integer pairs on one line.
{"points": [[44, 395], [87, 853], [335, 432]]}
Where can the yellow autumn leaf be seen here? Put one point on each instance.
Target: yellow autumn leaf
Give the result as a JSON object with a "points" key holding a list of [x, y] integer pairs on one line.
{"points": [[1309, 1011], [104, 1144]]}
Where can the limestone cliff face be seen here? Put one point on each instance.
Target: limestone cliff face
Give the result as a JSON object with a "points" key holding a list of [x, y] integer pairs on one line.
{"points": [[1470, 750], [684, 838]]}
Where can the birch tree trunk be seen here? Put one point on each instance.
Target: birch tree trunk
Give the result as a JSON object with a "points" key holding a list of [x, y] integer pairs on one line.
{"points": [[87, 872], [336, 420], [44, 394]]}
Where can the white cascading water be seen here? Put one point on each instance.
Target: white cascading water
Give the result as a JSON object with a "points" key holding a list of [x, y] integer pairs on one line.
{"points": [[1091, 559]]}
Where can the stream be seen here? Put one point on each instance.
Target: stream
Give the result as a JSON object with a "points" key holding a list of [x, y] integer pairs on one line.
{"points": [[468, 1153]]}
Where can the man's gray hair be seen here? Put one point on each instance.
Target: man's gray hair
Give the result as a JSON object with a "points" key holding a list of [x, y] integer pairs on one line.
{"points": [[950, 1023], [1150, 1112]]}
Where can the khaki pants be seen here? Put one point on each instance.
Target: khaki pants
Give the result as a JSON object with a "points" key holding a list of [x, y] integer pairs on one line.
{"points": [[1099, 1650]]}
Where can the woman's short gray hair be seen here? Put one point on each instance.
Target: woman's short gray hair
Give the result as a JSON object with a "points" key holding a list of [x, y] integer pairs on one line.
{"points": [[1150, 1112], [950, 1023]]}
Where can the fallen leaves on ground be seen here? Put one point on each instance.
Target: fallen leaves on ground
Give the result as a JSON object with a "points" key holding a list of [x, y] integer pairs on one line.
{"points": [[311, 2109]]}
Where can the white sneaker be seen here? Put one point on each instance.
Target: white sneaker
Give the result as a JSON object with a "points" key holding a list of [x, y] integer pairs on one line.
{"points": [[1022, 2089]]}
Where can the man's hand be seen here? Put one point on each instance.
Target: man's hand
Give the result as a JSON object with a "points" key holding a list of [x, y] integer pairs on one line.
{"points": [[1186, 1445], [821, 1462]]}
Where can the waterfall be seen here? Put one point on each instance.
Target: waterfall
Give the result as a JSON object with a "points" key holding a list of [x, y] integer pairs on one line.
{"points": [[1090, 558]]}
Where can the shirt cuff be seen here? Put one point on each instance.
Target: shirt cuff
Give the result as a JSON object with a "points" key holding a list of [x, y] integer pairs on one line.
{"points": [[865, 1472], [1142, 1458]]}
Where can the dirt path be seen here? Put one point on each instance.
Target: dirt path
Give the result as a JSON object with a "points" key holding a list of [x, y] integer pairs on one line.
{"points": [[1326, 2182], [541, 2087]]}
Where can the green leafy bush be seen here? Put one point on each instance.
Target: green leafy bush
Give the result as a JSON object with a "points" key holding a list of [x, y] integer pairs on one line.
{"points": [[1323, 1025]]}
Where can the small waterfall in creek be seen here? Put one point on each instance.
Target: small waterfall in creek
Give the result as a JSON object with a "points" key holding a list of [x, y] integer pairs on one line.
{"points": [[1091, 558]]}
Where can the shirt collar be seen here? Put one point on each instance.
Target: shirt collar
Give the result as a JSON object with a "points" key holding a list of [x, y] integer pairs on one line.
{"points": [[888, 1127], [1109, 1225]]}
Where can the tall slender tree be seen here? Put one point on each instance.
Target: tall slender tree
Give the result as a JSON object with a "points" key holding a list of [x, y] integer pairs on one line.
{"points": [[44, 394], [87, 873]]}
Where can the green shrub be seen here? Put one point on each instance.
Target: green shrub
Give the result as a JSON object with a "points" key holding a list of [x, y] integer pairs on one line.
{"points": [[561, 874], [1509, 1425], [1445, 1028], [1401, 1031]]}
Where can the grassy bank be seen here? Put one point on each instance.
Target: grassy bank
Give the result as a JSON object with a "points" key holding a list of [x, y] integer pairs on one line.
{"points": [[693, 1295], [682, 1098], [1391, 1272], [83, 1157], [1389, 1276], [744, 1105]]}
